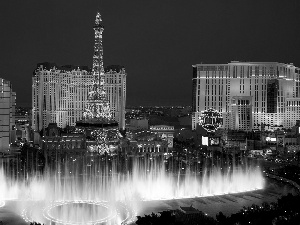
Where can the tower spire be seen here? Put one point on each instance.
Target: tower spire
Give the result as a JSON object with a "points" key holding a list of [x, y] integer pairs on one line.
{"points": [[98, 47], [97, 106], [97, 123]]}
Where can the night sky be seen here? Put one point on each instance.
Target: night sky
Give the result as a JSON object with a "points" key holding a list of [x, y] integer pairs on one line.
{"points": [[157, 41]]}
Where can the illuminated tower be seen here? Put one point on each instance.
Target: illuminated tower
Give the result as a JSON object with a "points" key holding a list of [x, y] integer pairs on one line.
{"points": [[101, 131], [97, 106]]}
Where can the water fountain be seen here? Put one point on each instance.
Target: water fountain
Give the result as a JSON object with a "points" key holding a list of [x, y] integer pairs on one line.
{"points": [[75, 193]]}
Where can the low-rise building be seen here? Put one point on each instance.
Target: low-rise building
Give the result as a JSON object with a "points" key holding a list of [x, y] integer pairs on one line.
{"points": [[138, 124], [165, 132], [144, 142]]}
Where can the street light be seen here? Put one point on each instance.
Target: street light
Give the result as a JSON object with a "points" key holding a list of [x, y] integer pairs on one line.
{"points": [[158, 145]]}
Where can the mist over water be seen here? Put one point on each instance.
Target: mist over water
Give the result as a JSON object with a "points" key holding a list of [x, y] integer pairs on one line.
{"points": [[81, 192]]}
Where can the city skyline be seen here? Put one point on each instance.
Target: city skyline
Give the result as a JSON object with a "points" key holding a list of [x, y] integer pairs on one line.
{"points": [[156, 45], [190, 110]]}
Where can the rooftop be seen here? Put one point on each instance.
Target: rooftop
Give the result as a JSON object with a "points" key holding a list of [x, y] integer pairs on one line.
{"points": [[51, 66]]}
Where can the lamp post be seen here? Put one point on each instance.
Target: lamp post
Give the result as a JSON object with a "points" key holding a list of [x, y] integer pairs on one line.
{"points": [[139, 146], [158, 146]]}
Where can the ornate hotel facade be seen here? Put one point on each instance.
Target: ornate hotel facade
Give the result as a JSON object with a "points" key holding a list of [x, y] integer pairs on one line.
{"points": [[247, 94], [59, 94]]}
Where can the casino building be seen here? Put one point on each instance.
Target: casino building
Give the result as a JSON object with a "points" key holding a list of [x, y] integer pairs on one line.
{"points": [[247, 94], [59, 93]]}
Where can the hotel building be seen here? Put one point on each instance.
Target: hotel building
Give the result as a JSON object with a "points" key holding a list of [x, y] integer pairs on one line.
{"points": [[115, 86], [247, 94], [7, 115], [59, 94]]}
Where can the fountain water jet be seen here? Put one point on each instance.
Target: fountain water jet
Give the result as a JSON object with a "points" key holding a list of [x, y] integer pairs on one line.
{"points": [[75, 193]]}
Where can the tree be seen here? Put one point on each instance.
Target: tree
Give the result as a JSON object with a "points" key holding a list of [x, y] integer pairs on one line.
{"points": [[221, 218]]}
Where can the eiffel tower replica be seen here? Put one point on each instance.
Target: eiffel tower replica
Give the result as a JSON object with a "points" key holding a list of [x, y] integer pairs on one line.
{"points": [[101, 131]]}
